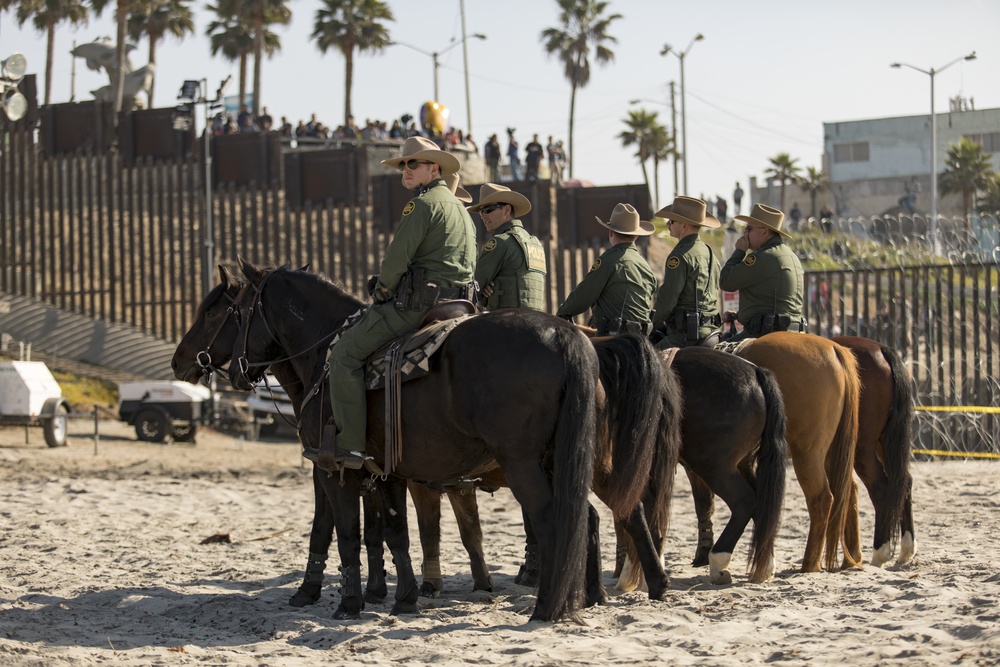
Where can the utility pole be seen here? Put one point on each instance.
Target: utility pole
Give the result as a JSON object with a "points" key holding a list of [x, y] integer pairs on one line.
{"points": [[673, 129]]}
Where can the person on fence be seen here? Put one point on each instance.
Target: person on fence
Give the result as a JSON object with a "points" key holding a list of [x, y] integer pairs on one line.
{"points": [[492, 154], [533, 157], [431, 258], [687, 302], [620, 284], [511, 267], [513, 156], [737, 198], [767, 274]]}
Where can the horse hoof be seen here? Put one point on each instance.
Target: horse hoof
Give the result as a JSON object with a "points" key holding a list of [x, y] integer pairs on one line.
{"points": [[723, 578], [428, 590], [343, 614], [701, 557], [401, 608], [527, 578], [303, 598], [375, 597]]}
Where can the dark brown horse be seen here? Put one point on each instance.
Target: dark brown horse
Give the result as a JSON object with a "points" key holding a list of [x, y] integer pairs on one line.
{"points": [[882, 456], [539, 444]]}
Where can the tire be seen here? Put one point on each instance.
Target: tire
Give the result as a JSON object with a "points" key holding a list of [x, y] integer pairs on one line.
{"points": [[56, 427], [152, 425], [185, 432]]}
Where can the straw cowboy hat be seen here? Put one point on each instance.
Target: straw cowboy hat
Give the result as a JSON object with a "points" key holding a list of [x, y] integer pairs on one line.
{"points": [[492, 193], [422, 148], [690, 210], [461, 194], [767, 216], [625, 220]]}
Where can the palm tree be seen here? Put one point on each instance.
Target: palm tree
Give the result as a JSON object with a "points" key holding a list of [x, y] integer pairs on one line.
{"points": [[348, 25], [156, 18], [640, 125], [966, 170], [263, 13], [232, 35], [662, 148], [584, 28], [45, 15], [813, 182], [784, 170], [989, 200]]}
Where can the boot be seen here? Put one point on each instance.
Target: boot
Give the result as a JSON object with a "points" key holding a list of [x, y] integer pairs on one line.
{"points": [[328, 458]]}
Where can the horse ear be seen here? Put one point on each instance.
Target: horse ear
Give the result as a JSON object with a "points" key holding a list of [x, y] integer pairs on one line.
{"points": [[225, 277], [249, 270], [304, 267]]}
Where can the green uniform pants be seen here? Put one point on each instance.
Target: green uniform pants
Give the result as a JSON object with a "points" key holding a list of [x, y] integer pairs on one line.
{"points": [[381, 324]]}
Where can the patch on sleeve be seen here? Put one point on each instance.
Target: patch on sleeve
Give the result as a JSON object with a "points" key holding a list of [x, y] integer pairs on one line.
{"points": [[750, 259], [673, 262], [597, 265], [490, 245], [408, 209]]}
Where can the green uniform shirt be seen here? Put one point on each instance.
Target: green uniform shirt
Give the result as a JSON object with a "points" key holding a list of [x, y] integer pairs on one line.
{"points": [[690, 283], [514, 261], [769, 280], [435, 234], [619, 284]]}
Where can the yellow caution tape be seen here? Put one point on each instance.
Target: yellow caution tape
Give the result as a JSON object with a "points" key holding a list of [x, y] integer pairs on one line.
{"points": [[964, 455], [960, 408]]}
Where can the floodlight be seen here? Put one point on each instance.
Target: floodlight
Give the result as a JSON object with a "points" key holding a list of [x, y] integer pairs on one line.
{"points": [[14, 104], [14, 67]]}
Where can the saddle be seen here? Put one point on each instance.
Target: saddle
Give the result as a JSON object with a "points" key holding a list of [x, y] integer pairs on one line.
{"points": [[412, 352]]}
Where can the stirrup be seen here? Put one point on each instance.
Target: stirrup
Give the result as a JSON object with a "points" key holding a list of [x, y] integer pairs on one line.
{"points": [[351, 460]]}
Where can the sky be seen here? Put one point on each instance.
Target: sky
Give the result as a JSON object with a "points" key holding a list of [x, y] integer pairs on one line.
{"points": [[764, 79]]}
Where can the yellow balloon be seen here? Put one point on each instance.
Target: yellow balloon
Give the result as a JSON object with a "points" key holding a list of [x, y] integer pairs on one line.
{"points": [[434, 116]]}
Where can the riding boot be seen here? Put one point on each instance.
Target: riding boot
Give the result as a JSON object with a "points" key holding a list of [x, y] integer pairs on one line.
{"points": [[328, 458]]}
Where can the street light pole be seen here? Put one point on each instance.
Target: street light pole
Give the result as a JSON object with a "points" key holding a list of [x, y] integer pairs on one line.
{"points": [[434, 57], [681, 55], [935, 240]]}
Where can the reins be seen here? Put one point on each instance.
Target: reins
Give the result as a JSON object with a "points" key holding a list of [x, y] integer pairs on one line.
{"points": [[204, 357]]}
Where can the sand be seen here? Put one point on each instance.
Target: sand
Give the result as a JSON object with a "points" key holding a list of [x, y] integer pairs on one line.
{"points": [[102, 562]]}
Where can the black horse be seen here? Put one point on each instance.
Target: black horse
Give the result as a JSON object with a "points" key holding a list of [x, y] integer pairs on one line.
{"points": [[467, 416]]}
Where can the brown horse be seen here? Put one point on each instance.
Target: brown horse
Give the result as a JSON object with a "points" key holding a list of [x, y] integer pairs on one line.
{"points": [[882, 455], [820, 386]]}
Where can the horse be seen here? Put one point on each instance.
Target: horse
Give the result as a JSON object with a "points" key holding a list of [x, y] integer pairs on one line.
{"points": [[882, 455], [545, 447], [819, 383]]}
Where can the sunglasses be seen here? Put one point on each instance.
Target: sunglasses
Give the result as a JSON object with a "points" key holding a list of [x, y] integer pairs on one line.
{"points": [[413, 164], [492, 207]]}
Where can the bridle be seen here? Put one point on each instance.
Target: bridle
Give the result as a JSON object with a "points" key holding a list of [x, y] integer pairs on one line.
{"points": [[204, 357]]}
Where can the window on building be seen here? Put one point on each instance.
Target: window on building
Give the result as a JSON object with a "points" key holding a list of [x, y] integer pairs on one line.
{"points": [[855, 152], [989, 141]]}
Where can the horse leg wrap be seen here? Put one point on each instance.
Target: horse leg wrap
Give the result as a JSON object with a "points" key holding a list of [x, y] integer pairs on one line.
{"points": [[407, 591], [705, 536], [431, 569], [528, 574], [350, 582], [314, 568]]}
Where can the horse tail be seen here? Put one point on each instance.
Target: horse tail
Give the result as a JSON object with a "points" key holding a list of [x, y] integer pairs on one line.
{"points": [[562, 577], [840, 459], [897, 439], [770, 478], [630, 369]]}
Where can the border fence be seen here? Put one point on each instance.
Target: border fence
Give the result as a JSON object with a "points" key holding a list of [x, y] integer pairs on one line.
{"points": [[125, 243]]}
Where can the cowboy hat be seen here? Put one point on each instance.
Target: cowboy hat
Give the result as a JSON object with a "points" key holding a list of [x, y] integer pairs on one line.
{"points": [[625, 220], [422, 148], [491, 193], [689, 210], [767, 216], [461, 194]]}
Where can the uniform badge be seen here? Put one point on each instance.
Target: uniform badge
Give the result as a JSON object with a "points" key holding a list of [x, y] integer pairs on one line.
{"points": [[408, 209], [490, 245], [673, 262], [750, 260], [597, 265]]}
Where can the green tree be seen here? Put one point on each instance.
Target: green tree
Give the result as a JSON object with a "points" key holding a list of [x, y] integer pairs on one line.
{"points": [[263, 13], [45, 15], [989, 198], [231, 34], [784, 170], [350, 25], [156, 18], [967, 169], [813, 182], [584, 28], [640, 126], [662, 148]]}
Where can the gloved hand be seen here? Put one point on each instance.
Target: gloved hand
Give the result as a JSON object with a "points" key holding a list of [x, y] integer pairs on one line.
{"points": [[372, 282]]}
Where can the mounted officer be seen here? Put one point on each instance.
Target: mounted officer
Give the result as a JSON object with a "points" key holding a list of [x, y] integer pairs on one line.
{"points": [[511, 266], [620, 284], [431, 258], [767, 274], [687, 302]]}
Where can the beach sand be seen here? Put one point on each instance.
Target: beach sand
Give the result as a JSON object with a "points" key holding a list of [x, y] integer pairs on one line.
{"points": [[102, 562]]}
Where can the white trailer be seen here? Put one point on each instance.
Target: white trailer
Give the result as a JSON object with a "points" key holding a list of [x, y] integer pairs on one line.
{"points": [[30, 395], [161, 410]]}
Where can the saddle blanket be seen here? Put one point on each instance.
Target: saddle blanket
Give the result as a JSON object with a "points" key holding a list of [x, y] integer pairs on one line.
{"points": [[416, 353]]}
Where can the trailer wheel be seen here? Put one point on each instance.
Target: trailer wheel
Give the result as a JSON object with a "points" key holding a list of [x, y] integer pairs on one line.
{"points": [[152, 425], [56, 427], [185, 432]]}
